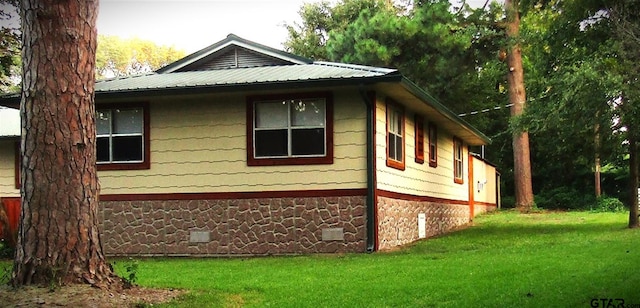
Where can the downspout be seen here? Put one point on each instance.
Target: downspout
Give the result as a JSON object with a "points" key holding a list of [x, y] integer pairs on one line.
{"points": [[372, 217], [472, 196]]}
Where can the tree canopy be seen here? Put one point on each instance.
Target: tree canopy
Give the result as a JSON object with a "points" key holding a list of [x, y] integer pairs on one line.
{"points": [[580, 61], [118, 57], [9, 48]]}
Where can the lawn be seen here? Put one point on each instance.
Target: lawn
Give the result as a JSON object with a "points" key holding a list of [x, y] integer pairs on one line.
{"points": [[507, 259]]}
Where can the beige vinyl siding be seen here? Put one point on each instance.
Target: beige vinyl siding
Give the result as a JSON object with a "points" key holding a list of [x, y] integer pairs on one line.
{"points": [[418, 179], [199, 146], [484, 182], [7, 169]]}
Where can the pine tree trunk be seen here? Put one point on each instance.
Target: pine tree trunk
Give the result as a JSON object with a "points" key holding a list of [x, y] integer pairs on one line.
{"points": [[596, 160], [517, 97], [633, 181], [58, 239]]}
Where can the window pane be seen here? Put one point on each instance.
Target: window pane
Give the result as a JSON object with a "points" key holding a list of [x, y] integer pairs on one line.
{"points": [[432, 152], [307, 141], [398, 128], [127, 121], [102, 150], [307, 113], [103, 122], [393, 124], [271, 143], [392, 146], [271, 115], [127, 148], [399, 154]]}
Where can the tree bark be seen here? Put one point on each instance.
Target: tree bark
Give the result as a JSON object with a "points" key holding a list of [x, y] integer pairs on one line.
{"points": [[517, 97], [633, 181], [58, 238], [596, 159]]}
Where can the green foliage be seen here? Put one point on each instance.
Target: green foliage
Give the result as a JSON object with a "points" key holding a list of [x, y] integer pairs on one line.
{"points": [[609, 204], [120, 57], [564, 197], [310, 38], [6, 251], [130, 268], [10, 45], [5, 272]]}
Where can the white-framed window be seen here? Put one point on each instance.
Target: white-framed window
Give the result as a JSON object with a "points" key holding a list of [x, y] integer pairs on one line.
{"points": [[395, 136], [120, 135], [433, 145], [458, 161]]}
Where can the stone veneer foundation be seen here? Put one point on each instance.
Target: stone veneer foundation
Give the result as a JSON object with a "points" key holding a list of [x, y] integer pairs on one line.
{"points": [[234, 226], [398, 219]]}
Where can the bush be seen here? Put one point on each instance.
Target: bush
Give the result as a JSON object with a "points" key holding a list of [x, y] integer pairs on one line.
{"points": [[508, 202], [6, 251], [565, 198], [608, 204]]}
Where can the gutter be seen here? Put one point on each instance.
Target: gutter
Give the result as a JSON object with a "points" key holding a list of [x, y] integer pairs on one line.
{"points": [[372, 217]]}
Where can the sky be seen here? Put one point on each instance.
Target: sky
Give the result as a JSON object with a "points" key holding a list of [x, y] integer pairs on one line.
{"points": [[191, 25]]}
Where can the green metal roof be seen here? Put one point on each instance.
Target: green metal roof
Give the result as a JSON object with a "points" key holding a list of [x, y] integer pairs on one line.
{"points": [[317, 71]]}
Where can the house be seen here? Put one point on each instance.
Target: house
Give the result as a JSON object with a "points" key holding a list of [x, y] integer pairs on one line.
{"points": [[242, 149]]}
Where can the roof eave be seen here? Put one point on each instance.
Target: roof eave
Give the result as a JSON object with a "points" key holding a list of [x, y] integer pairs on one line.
{"points": [[261, 86], [443, 110]]}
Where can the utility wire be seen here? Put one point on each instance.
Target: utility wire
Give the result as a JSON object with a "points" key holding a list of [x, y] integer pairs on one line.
{"points": [[484, 110]]}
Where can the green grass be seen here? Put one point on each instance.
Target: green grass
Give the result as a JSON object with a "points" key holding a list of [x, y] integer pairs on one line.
{"points": [[506, 260]]}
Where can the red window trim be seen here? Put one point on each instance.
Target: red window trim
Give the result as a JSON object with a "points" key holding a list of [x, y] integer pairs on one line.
{"points": [[146, 163], [400, 165], [324, 160], [419, 135], [433, 144], [458, 143]]}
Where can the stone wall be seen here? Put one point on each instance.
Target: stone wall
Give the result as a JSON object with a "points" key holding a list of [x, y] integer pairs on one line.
{"points": [[398, 220], [483, 208], [234, 226]]}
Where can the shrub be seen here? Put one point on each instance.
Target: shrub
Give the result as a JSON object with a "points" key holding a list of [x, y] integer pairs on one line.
{"points": [[508, 202], [6, 251], [131, 268], [608, 204], [566, 198]]}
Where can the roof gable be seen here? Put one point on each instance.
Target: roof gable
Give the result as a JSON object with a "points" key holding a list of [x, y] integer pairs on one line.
{"points": [[233, 52]]}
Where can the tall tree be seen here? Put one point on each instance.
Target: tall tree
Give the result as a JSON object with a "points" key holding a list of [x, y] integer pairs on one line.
{"points": [[58, 240], [625, 17], [570, 93], [517, 97], [319, 19]]}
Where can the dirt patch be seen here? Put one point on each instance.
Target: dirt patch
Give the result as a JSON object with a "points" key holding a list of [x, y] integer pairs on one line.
{"points": [[84, 296]]}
